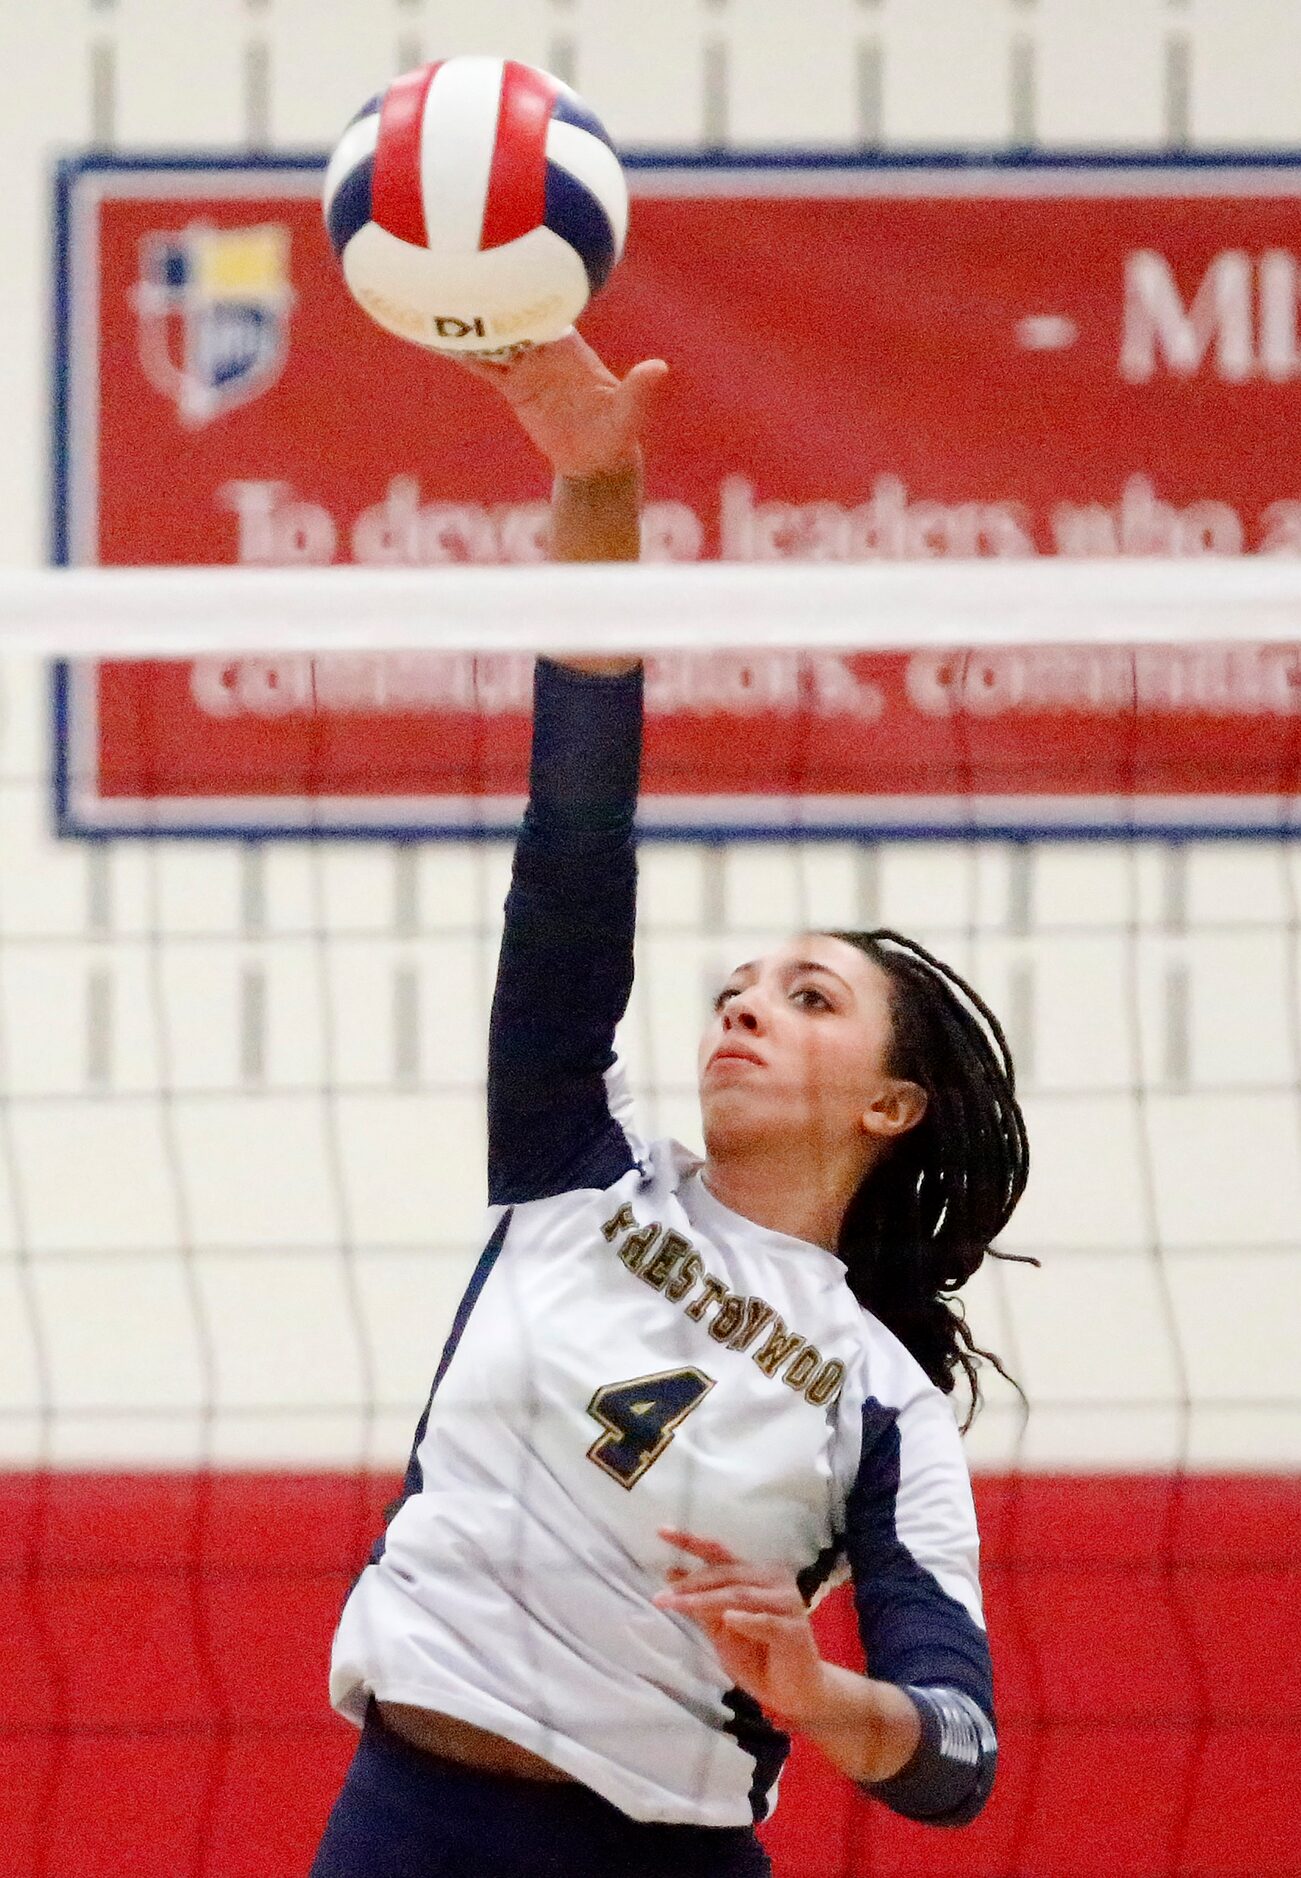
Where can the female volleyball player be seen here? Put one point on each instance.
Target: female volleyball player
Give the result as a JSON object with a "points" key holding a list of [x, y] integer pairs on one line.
{"points": [[678, 1395]]}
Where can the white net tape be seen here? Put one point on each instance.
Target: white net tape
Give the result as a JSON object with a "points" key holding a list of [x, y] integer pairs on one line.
{"points": [[177, 611]]}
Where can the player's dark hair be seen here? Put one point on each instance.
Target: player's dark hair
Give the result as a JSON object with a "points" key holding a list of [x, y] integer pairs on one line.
{"points": [[925, 1216]]}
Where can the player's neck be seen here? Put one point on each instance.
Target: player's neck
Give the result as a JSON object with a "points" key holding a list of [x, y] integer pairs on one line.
{"points": [[780, 1193]]}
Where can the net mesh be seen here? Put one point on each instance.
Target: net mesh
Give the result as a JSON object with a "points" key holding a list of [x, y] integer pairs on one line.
{"points": [[241, 1144]]}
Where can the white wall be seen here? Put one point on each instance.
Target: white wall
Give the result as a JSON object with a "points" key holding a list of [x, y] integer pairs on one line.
{"points": [[240, 1142]]}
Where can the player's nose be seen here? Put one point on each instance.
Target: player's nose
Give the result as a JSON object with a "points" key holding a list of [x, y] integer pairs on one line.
{"points": [[740, 1013]]}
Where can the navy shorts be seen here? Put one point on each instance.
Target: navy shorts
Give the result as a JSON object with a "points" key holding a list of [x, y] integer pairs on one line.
{"points": [[407, 1814]]}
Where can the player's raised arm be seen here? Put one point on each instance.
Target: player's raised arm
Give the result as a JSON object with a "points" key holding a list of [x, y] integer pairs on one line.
{"points": [[566, 964]]}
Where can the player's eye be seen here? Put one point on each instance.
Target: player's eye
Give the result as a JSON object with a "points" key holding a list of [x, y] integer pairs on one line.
{"points": [[728, 991], [811, 999]]}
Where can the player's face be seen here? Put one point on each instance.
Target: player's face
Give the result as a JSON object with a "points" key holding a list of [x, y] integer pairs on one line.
{"points": [[799, 1047]]}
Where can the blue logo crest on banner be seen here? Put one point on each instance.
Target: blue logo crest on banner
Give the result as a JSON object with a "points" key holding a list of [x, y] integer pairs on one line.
{"points": [[213, 307]]}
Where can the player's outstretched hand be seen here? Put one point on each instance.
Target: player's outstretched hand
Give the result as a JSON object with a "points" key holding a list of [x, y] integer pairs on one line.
{"points": [[585, 421], [757, 1622]]}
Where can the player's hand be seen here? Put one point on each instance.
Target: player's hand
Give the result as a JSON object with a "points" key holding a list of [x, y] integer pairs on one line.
{"points": [[757, 1622], [585, 421]]}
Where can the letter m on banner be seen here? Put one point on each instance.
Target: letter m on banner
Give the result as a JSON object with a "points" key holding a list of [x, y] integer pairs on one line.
{"points": [[1242, 318]]}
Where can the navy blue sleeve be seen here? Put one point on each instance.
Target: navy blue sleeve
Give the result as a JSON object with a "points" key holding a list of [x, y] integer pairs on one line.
{"points": [[914, 1633], [565, 971]]}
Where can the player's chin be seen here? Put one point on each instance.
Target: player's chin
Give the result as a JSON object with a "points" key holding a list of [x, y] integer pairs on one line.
{"points": [[734, 1114]]}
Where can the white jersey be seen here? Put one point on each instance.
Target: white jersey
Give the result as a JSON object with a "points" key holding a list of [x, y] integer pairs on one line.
{"points": [[632, 1355]]}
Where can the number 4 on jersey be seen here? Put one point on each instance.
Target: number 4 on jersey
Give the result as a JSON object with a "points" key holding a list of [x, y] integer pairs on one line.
{"points": [[640, 1418]]}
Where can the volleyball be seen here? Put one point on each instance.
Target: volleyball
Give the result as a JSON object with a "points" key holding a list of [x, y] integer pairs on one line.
{"points": [[476, 206]]}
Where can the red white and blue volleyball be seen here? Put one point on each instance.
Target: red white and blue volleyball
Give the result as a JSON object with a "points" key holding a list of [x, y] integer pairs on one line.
{"points": [[476, 205]]}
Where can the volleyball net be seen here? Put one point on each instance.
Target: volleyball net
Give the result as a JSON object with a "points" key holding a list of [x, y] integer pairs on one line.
{"points": [[256, 838]]}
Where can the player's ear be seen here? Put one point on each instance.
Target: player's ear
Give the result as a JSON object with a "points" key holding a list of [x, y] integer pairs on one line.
{"points": [[897, 1106]]}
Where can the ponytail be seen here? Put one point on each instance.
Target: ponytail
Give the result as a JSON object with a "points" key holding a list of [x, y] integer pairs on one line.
{"points": [[925, 1216]]}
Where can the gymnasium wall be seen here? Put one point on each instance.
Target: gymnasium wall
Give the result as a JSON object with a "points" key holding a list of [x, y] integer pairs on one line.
{"points": [[240, 1133]]}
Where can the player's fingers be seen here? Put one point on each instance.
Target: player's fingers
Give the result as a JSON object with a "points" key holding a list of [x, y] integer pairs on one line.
{"points": [[710, 1577], [706, 1577], [697, 1604], [574, 350], [680, 1597], [758, 1626], [642, 386], [567, 363], [699, 1547], [715, 1631], [488, 371], [561, 373]]}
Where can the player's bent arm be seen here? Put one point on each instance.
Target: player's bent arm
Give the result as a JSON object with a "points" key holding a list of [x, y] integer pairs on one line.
{"points": [[912, 1546], [927, 1752], [870, 1730]]}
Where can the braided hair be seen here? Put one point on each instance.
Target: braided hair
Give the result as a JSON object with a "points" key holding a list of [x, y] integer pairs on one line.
{"points": [[924, 1217]]}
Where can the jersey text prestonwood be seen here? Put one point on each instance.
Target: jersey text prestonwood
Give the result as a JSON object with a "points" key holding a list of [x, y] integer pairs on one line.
{"points": [[668, 1262]]}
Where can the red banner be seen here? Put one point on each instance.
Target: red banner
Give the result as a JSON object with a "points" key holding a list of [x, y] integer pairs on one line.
{"points": [[881, 362]]}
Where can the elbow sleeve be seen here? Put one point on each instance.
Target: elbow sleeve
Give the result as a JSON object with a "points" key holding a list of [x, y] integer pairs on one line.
{"points": [[949, 1777]]}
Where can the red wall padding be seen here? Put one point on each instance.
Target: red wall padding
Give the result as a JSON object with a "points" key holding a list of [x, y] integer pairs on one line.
{"points": [[163, 1647]]}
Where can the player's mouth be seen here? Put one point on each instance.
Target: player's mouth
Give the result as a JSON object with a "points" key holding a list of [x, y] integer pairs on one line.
{"points": [[733, 1053]]}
